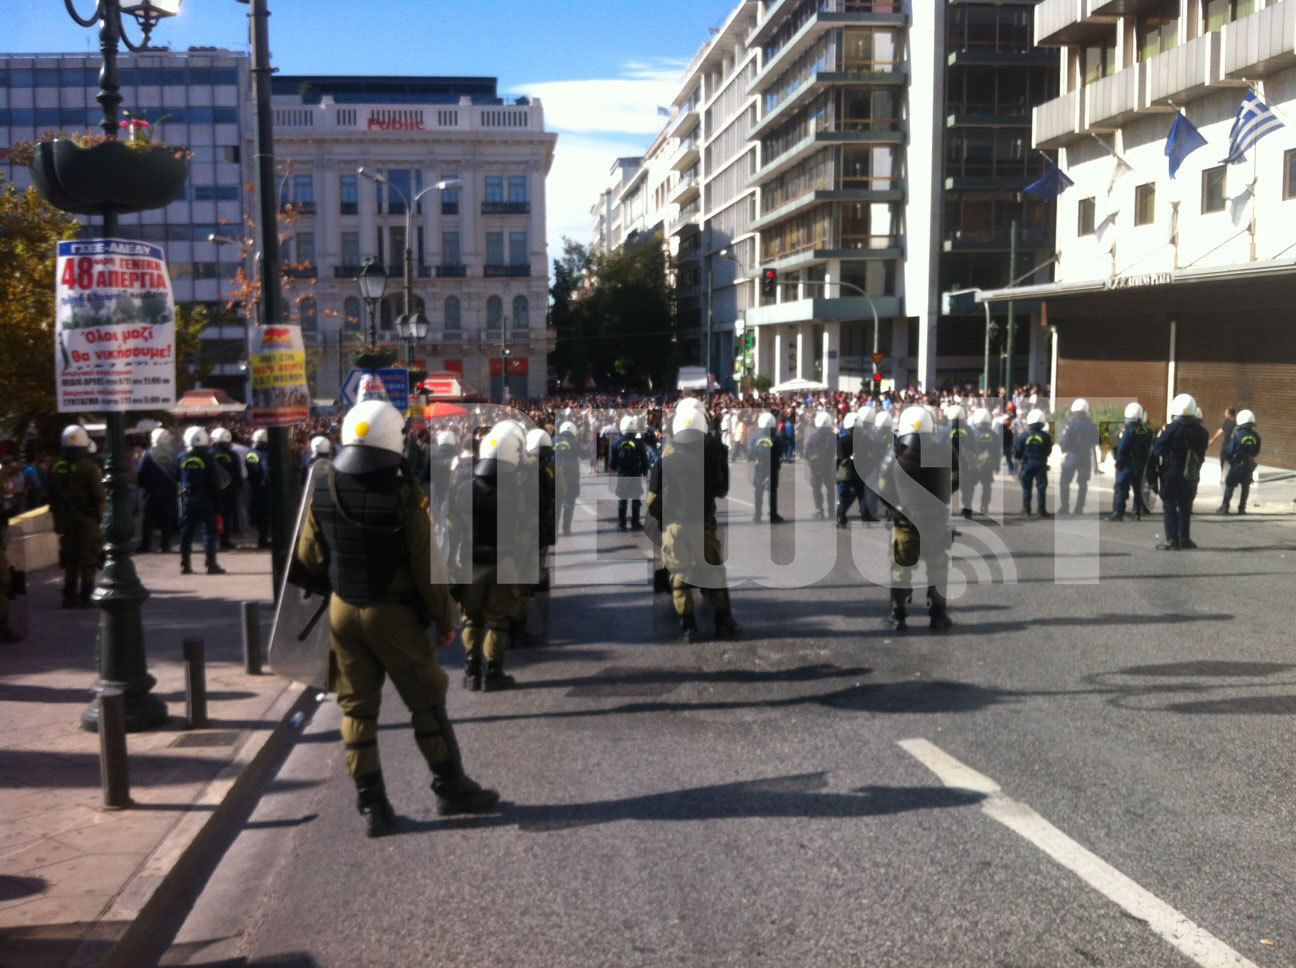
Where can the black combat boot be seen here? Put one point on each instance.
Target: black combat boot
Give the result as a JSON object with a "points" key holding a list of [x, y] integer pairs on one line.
{"points": [[896, 619], [1168, 546], [939, 620], [967, 513], [495, 678], [726, 628], [472, 679], [371, 801], [688, 629], [661, 581], [1222, 509], [455, 791], [1046, 514], [213, 568], [185, 567], [1116, 516]]}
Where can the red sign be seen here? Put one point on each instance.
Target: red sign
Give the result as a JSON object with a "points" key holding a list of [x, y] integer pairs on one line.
{"points": [[515, 366], [453, 366], [378, 123]]}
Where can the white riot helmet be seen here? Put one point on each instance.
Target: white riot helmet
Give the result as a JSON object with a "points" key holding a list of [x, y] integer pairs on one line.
{"points": [[74, 435], [1080, 406], [567, 428], [321, 446], [766, 421], [1134, 412], [1245, 418], [849, 421], [372, 438], [1036, 416], [883, 422], [1198, 412], [537, 439], [688, 420], [221, 436], [503, 444], [955, 412], [915, 420], [160, 437], [822, 419], [196, 437], [627, 424], [980, 417], [260, 437], [446, 438], [1183, 406]]}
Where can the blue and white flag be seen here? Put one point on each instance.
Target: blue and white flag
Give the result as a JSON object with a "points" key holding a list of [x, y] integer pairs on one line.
{"points": [[1254, 120], [1183, 141], [663, 112], [1053, 184]]}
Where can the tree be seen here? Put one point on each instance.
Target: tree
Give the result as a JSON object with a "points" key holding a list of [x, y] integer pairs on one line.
{"points": [[191, 368], [30, 230]]}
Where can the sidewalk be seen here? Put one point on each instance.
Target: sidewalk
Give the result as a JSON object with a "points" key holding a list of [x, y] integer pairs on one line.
{"points": [[1273, 492], [73, 876]]}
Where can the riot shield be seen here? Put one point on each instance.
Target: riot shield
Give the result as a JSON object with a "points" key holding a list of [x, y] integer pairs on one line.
{"points": [[299, 639]]}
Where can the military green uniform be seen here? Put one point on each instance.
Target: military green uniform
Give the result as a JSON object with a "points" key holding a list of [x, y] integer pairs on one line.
{"points": [[77, 503]]}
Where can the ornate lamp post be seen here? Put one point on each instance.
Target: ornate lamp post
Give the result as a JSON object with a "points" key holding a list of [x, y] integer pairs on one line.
{"points": [[122, 661], [373, 284]]}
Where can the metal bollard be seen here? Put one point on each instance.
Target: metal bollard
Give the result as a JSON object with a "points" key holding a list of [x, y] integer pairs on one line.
{"points": [[195, 683], [114, 771], [252, 638]]}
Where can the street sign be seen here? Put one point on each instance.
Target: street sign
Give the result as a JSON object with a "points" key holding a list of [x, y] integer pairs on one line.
{"points": [[878, 358], [395, 382]]}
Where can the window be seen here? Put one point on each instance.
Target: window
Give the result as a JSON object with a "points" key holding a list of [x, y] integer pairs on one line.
{"points": [[309, 314], [306, 247], [517, 188], [495, 248], [351, 248], [349, 194], [494, 312], [1221, 12], [400, 190], [398, 244], [215, 193], [351, 311], [1289, 174], [1145, 204], [518, 254], [521, 313], [450, 248], [1213, 189], [1158, 29], [387, 313], [1099, 61], [304, 187], [450, 196], [494, 188], [1085, 217], [453, 319]]}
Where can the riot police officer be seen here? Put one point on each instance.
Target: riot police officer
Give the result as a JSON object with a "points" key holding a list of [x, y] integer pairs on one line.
{"points": [[368, 538], [77, 503], [1079, 441], [629, 458], [870, 444], [691, 550], [988, 454], [1241, 452], [199, 499], [441, 456], [567, 470], [921, 525], [257, 465], [320, 448], [1131, 460], [539, 448], [821, 454], [1177, 455], [231, 481], [965, 452], [767, 451], [1032, 450], [161, 491]]}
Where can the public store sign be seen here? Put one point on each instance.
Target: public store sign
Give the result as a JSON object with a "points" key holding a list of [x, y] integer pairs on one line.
{"points": [[280, 397], [114, 327]]}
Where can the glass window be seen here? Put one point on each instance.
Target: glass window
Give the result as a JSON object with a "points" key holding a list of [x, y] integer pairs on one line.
{"points": [[304, 186], [494, 188], [46, 77], [1085, 217], [518, 254], [386, 313], [495, 248], [1213, 181], [494, 312], [1221, 12], [309, 313], [351, 248], [215, 193], [450, 248], [450, 196], [398, 242], [349, 194], [398, 180], [351, 311], [517, 188], [306, 247], [1145, 204], [1158, 30], [1289, 174], [21, 77], [453, 320], [521, 313]]}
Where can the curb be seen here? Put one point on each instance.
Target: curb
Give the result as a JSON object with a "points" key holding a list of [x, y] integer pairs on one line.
{"points": [[159, 896]]}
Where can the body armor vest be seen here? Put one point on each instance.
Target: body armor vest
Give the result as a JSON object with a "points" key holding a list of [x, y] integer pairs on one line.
{"points": [[360, 519]]}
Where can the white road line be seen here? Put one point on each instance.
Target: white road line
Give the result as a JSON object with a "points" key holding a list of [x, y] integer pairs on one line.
{"points": [[1197, 943]]}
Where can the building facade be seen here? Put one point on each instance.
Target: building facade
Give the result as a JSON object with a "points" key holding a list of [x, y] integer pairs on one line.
{"points": [[1173, 284], [197, 98], [479, 249]]}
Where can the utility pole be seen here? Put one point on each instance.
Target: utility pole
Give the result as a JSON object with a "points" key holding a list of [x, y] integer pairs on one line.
{"points": [[1012, 311]]}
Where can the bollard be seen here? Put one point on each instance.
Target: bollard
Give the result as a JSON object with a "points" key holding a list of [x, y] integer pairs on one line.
{"points": [[195, 683], [252, 638], [114, 772]]}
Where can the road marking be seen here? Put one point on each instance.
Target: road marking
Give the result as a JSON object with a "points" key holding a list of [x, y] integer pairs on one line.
{"points": [[1197, 943]]}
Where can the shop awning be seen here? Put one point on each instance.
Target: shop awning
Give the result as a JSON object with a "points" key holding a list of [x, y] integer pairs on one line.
{"points": [[207, 403], [1142, 281]]}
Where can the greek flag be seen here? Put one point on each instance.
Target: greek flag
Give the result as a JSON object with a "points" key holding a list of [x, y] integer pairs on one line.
{"points": [[1254, 120]]}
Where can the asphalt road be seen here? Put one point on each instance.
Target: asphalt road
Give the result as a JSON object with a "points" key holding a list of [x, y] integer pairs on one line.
{"points": [[1093, 773]]}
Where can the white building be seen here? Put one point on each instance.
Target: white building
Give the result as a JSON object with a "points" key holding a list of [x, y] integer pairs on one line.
{"points": [[1175, 284], [479, 251]]}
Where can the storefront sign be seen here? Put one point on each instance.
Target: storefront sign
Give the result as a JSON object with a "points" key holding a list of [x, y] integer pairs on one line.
{"points": [[280, 397], [515, 366], [1139, 282], [380, 121], [114, 327]]}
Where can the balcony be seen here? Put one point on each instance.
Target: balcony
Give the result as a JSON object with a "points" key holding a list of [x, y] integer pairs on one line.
{"points": [[300, 272], [449, 208], [989, 240], [685, 190], [841, 13], [1184, 72], [451, 270], [346, 271], [506, 208], [1110, 101], [1061, 22], [506, 271], [686, 155], [1003, 57], [1057, 122], [987, 117], [1261, 43]]}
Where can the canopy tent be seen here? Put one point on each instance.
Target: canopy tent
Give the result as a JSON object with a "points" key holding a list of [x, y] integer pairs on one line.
{"points": [[447, 386], [799, 385]]}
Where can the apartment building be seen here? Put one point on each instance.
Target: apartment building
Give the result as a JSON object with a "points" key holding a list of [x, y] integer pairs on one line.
{"points": [[199, 98], [479, 249], [1170, 284]]}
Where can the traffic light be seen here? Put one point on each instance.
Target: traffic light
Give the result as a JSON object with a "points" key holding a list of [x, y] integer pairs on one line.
{"points": [[769, 283], [877, 381]]}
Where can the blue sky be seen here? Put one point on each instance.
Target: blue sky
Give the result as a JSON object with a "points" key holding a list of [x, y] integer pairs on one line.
{"points": [[601, 69]]}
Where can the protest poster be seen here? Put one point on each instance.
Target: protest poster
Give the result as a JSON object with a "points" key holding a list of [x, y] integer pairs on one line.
{"points": [[280, 397], [114, 327]]}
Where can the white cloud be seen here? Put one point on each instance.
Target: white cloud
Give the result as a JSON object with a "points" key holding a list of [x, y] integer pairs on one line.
{"points": [[626, 104], [580, 171]]}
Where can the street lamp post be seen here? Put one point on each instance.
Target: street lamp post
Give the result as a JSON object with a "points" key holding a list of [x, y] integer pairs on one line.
{"points": [[867, 298], [710, 313], [123, 664], [373, 283]]}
